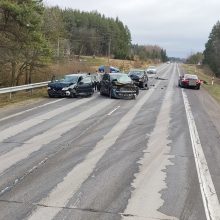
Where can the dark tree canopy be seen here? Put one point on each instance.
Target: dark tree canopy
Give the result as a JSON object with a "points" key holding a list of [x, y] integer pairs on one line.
{"points": [[32, 35], [212, 50]]}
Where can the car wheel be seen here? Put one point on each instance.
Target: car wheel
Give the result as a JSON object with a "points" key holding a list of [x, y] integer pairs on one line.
{"points": [[142, 85], [51, 96], [198, 87], [133, 97], [101, 92], [137, 91], [72, 95], [110, 94]]}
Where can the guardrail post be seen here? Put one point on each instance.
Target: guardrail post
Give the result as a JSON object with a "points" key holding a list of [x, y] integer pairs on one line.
{"points": [[10, 95]]}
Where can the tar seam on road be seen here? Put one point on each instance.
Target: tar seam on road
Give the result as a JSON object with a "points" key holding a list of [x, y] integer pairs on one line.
{"points": [[209, 196]]}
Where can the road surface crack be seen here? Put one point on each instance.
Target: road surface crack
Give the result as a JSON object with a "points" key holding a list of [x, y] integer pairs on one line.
{"points": [[81, 209]]}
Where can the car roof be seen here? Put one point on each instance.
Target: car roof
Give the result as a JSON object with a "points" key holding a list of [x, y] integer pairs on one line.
{"points": [[76, 74], [138, 70], [152, 67]]}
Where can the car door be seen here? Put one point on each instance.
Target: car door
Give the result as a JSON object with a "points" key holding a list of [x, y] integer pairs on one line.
{"points": [[85, 85], [105, 84]]}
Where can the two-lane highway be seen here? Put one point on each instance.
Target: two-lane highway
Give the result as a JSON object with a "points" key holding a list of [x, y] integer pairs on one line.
{"points": [[156, 157]]}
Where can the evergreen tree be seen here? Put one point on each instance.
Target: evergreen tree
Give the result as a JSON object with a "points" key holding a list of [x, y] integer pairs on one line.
{"points": [[212, 49]]}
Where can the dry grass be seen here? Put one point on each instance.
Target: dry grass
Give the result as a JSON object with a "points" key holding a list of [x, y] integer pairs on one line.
{"points": [[206, 75], [22, 96]]}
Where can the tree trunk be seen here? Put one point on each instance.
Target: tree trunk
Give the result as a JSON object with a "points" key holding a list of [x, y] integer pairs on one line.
{"points": [[30, 74], [13, 73], [26, 75]]}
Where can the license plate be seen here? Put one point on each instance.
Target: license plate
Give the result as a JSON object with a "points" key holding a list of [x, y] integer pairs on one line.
{"points": [[192, 83]]}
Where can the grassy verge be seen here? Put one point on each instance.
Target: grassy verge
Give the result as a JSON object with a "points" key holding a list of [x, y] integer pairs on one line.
{"points": [[22, 96], [206, 75]]}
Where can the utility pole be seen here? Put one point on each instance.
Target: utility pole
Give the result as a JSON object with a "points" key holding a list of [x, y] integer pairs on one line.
{"points": [[58, 47], [109, 50]]}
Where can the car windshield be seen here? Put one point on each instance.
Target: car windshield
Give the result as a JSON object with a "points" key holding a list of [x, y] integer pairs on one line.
{"points": [[121, 78], [137, 73], [69, 78]]}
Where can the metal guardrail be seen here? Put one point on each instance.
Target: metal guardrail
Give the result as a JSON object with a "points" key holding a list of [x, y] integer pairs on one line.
{"points": [[23, 87]]}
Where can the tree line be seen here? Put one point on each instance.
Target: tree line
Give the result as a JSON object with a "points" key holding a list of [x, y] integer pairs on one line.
{"points": [[32, 35], [211, 55], [212, 50]]}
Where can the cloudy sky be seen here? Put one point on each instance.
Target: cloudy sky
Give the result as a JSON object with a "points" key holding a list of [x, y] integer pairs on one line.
{"points": [[181, 27]]}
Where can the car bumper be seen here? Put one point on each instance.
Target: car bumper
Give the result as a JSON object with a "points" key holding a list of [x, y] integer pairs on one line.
{"points": [[124, 94], [56, 93]]}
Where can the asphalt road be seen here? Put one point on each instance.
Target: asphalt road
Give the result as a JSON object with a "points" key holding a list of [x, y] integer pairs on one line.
{"points": [[156, 157]]}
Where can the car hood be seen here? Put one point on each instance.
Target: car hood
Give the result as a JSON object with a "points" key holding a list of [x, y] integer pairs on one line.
{"points": [[59, 85], [124, 85]]}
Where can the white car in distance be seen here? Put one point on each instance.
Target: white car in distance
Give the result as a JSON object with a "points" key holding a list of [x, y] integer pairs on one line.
{"points": [[152, 71]]}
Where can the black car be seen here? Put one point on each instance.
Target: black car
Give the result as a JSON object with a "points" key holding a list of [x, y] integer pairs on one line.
{"points": [[71, 85], [118, 85], [139, 77]]}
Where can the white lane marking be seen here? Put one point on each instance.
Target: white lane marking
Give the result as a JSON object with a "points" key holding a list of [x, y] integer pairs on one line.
{"points": [[209, 196], [22, 177], [110, 113], [37, 142], [63, 192], [28, 110], [150, 180], [18, 128]]}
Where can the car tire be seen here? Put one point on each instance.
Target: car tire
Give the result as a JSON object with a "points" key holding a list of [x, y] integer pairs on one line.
{"points": [[101, 93], [198, 87], [72, 95], [142, 85], [51, 96], [110, 94], [137, 90]]}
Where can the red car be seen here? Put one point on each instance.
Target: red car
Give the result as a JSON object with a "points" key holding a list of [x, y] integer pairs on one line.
{"points": [[189, 81]]}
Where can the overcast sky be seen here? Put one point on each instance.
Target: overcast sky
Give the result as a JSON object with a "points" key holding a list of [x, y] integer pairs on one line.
{"points": [[179, 26]]}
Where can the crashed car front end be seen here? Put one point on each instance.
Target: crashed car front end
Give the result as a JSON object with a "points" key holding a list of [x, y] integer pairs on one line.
{"points": [[121, 91]]}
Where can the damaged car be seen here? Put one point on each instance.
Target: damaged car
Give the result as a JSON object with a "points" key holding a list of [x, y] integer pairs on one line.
{"points": [[139, 78], [118, 85], [189, 81], [71, 85]]}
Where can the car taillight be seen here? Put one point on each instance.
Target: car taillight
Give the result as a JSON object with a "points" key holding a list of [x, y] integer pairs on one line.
{"points": [[198, 81]]}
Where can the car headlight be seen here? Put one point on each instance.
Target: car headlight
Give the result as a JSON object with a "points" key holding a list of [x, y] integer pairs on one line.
{"points": [[48, 87], [65, 89]]}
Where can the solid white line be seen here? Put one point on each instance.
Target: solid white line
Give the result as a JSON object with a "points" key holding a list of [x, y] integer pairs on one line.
{"points": [[110, 113], [209, 196], [28, 110]]}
